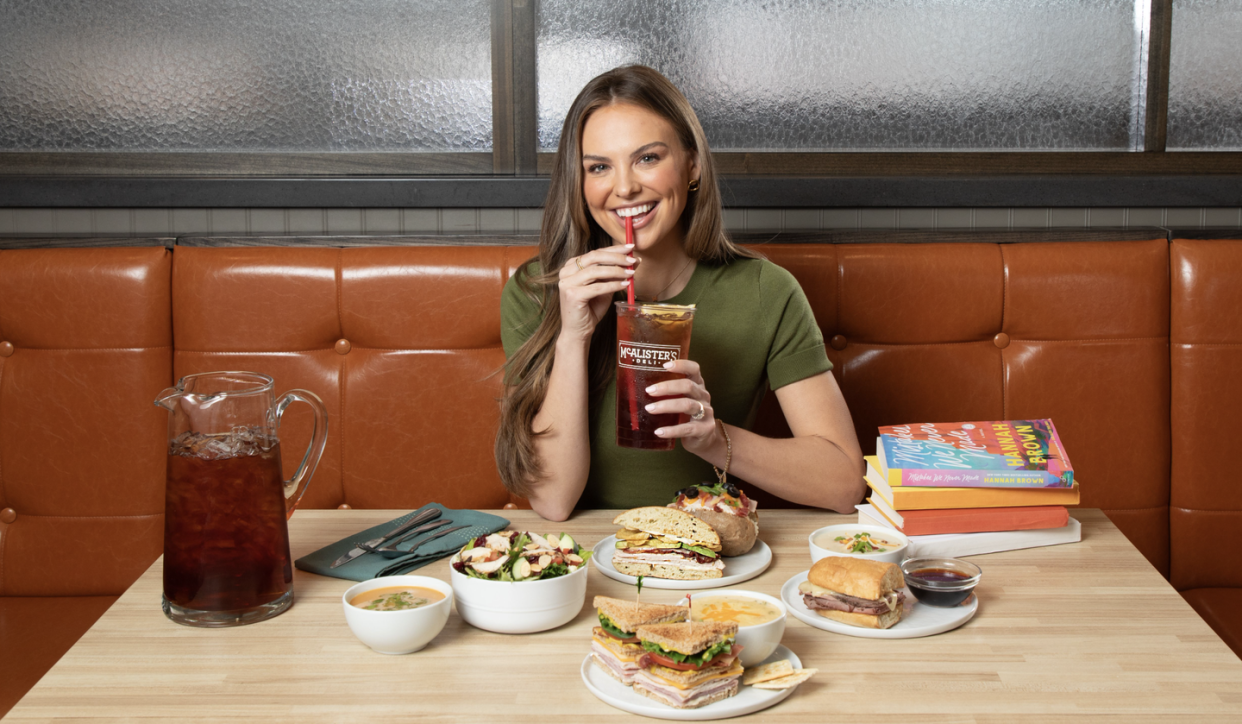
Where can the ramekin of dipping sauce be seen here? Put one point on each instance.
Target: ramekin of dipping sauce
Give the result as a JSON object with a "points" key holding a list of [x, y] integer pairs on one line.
{"points": [[941, 582]]}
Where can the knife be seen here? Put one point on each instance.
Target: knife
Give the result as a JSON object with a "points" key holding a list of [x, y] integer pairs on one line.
{"points": [[359, 550]]}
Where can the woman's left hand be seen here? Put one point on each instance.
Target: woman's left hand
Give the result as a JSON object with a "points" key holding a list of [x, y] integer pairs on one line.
{"points": [[688, 396]]}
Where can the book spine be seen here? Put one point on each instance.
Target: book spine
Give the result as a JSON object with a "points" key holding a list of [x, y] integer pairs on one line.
{"points": [[899, 477]]}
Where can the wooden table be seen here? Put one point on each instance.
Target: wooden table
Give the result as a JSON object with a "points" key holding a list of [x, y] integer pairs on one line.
{"points": [[1062, 632]]}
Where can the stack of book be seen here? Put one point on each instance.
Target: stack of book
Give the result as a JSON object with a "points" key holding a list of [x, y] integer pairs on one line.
{"points": [[972, 487]]}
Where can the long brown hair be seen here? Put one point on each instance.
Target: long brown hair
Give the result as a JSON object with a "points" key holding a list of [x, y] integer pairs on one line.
{"points": [[569, 231]]}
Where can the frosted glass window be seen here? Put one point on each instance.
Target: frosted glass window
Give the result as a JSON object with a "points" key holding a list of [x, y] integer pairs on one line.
{"points": [[242, 75], [1205, 76], [867, 74]]}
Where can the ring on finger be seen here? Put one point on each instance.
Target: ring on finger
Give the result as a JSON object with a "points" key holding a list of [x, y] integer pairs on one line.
{"points": [[578, 261], [702, 411]]}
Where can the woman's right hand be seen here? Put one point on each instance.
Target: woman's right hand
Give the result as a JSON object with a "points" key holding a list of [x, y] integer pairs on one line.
{"points": [[587, 284]]}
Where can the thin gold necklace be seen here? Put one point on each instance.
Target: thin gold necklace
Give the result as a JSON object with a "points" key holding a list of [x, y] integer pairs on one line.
{"points": [[656, 298]]}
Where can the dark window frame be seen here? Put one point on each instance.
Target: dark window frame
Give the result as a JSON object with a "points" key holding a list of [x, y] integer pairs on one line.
{"points": [[514, 174]]}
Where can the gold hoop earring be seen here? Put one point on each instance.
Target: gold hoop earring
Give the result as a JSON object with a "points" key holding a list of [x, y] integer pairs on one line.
{"points": [[694, 185]]}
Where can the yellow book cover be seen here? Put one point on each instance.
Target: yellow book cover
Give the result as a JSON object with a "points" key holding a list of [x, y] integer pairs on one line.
{"points": [[908, 497]]}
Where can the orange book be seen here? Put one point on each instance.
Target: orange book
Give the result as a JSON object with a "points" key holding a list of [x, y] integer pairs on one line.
{"points": [[972, 520]]}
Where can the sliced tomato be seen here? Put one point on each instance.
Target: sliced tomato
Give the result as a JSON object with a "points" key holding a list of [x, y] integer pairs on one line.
{"points": [[679, 666]]}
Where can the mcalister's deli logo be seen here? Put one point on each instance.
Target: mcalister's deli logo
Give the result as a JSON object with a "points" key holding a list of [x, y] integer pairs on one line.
{"points": [[643, 356]]}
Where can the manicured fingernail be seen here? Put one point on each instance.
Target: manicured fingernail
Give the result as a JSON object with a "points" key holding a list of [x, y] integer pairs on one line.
{"points": [[668, 365], [660, 432], [629, 271], [650, 408], [650, 390], [629, 246]]}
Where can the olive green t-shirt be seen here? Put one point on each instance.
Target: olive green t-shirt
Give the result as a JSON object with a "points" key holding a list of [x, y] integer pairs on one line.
{"points": [[753, 327]]}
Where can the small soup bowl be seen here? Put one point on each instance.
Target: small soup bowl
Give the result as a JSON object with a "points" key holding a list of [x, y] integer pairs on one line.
{"points": [[758, 641], [398, 632], [890, 554]]}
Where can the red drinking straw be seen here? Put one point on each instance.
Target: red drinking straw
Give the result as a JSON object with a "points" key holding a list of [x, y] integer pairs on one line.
{"points": [[629, 240], [629, 296]]}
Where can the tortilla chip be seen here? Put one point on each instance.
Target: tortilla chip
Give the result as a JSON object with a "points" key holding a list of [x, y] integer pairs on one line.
{"points": [[788, 682], [767, 672]]}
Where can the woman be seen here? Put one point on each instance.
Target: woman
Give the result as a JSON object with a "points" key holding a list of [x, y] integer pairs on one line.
{"points": [[632, 146]]}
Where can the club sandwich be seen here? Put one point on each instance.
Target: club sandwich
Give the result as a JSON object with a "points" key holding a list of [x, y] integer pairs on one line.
{"points": [[614, 647], [688, 665]]}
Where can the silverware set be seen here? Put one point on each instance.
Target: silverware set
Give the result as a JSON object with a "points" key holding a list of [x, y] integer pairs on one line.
{"points": [[421, 523]]}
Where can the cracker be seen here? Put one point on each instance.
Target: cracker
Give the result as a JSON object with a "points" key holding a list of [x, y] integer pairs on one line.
{"points": [[789, 681], [767, 672]]}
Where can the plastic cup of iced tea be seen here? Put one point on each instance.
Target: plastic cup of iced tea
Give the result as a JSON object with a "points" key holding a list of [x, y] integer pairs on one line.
{"points": [[648, 336]]}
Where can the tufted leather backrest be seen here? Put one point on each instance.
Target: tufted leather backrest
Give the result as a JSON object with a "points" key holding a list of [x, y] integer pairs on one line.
{"points": [[86, 346], [1078, 332], [1206, 514], [401, 343]]}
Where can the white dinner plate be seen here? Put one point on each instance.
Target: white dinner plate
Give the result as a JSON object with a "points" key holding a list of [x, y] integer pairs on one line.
{"points": [[737, 569], [747, 700], [918, 620]]}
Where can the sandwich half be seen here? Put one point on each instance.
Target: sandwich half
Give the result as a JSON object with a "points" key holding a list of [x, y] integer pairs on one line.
{"points": [[855, 591], [688, 665], [666, 543], [614, 647]]}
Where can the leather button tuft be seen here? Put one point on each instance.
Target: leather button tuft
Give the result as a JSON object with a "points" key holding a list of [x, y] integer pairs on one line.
{"points": [[6, 349], [837, 342], [343, 346], [510, 506], [344, 506], [1001, 340], [8, 515]]}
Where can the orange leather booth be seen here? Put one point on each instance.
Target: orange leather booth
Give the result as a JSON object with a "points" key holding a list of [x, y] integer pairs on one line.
{"points": [[1132, 347]]}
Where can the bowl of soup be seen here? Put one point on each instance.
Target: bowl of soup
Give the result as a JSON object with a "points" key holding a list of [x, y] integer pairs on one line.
{"points": [[859, 541], [760, 619], [397, 614]]}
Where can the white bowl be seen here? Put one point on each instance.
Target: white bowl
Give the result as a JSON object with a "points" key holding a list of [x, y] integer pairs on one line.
{"points": [[519, 607], [758, 641], [398, 632], [892, 555]]}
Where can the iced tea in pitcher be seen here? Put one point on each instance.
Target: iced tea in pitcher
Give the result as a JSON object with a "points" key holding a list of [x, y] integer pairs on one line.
{"points": [[226, 542]]}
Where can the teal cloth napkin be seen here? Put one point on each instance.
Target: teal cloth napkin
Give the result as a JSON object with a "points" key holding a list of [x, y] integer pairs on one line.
{"points": [[373, 565]]}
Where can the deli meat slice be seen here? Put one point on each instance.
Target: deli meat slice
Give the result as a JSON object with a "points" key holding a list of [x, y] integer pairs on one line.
{"points": [[850, 604], [624, 670], [685, 698], [673, 559]]}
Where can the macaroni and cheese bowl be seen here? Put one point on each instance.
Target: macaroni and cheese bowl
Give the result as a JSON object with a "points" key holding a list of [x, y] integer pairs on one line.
{"points": [[859, 541]]}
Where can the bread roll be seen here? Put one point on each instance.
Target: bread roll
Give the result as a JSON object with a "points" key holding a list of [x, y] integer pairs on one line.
{"points": [[857, 577]]}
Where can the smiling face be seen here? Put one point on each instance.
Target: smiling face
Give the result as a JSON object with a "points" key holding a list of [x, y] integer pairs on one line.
{"points": [[633, 164]]}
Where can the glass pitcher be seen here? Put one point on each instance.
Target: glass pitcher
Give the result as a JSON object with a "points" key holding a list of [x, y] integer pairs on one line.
{"points": [[226, 542]]}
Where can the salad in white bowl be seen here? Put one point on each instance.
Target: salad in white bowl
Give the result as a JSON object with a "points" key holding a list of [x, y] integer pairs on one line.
{"points": [[519, 582], [520, 556]]}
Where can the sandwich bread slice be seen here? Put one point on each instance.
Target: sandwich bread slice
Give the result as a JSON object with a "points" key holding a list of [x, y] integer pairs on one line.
{"points": [[614, 647], [688, 665], [666, 543], [855, 591]]}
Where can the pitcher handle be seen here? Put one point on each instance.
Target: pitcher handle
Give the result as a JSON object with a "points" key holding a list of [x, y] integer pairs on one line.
{"points": [[295, 487]]}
